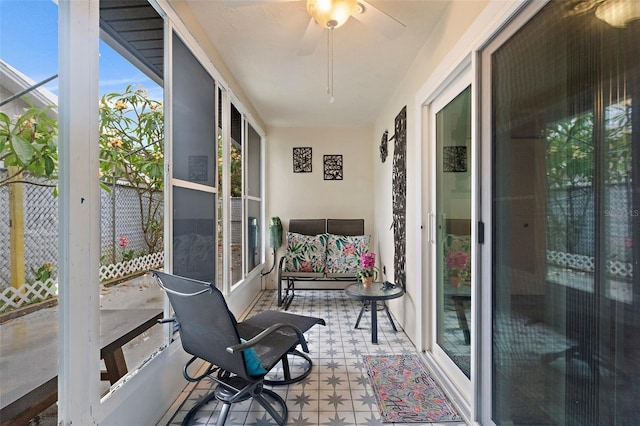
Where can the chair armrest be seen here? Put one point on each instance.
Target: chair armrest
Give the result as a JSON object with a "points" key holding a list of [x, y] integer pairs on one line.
{"points": [[173, 320], [265, 333]]}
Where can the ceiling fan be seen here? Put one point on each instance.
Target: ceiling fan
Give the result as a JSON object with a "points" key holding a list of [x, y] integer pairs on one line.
{"points": [[331, 14], [617, 13]]}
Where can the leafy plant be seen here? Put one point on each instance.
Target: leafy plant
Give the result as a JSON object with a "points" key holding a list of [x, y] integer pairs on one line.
{"points": [[127, 254], [131, 142], [235, 166], [367, 266], [29, 142], [570, 162], [44, 272], [457, 263]]}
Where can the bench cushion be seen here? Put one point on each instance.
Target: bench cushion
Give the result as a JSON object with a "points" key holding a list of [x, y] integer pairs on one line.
{"points": [[305, 253], [343, 253]]}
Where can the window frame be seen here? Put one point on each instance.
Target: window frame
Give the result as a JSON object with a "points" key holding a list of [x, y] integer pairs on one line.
{"points": [[246, 121], [79, 394]]}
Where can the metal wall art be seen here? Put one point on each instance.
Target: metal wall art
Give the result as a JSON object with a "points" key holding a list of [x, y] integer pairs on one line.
{"points": [[399, 193], [333, 167], [384, 150], [302, 160], [454, 158]]}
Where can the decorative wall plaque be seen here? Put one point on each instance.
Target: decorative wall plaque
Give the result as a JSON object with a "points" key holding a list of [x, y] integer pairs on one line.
{"points": [[333, 167], [454, 158], [302, 160], [384, 150], [399, 194]]}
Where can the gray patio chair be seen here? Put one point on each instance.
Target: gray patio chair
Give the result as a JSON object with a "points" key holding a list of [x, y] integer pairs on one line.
{"points": [[240, 354]]}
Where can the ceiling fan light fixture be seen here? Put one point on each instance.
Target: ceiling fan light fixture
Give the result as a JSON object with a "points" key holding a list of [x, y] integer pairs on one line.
{"points": [[331, 13], [619, 13]]}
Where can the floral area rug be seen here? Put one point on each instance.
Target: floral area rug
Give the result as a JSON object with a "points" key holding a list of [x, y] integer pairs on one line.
{"points": [[406, 392]]}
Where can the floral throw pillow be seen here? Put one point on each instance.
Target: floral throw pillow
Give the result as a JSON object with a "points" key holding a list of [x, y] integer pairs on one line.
{"points": [[343, 253], [456, 244], [305, 253]]}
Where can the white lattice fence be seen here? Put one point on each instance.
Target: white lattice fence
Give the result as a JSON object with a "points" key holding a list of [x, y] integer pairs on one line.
{"points": [[128, 267], [11, 298], [586, 263], [41, 227]]}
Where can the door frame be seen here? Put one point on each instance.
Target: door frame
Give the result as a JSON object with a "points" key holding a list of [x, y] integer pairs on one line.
{"points": [[458, 83]]}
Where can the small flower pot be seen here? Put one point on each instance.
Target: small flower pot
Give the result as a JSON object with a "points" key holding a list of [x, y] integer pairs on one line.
{"points": [[366, 282], [454, 281]]}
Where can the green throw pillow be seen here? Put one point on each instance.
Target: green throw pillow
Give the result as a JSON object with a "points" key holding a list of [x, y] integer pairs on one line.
{"points": [[252, 362]]}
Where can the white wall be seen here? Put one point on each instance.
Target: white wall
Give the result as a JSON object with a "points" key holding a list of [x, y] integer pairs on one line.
{"points": [[452, 25], [307, 195]]}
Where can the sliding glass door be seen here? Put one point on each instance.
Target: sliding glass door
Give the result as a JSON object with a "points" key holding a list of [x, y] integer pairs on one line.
{"points": [[451, 320], [566, 219]]}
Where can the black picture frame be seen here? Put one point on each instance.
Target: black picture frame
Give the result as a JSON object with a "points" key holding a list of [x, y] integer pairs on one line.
{"points": [[454, 159], [302, 159], [333, 167]]}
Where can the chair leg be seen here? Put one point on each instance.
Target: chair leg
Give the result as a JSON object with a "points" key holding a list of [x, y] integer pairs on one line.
{"points": [[224, 412], [204, 401], [281, 420], [287, 370]]}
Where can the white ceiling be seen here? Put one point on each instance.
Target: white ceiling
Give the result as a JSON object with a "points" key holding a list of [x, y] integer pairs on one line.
{"points": [[260, 43]]}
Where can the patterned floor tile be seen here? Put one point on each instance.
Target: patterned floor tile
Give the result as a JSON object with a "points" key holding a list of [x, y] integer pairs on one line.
{"points": [[337, 392]]}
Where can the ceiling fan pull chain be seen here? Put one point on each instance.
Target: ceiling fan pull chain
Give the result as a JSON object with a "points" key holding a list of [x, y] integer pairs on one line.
{"points": [[330, 64]]}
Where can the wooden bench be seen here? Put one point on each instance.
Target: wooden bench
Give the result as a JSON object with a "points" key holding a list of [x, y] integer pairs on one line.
{"points": [[29, 357]]}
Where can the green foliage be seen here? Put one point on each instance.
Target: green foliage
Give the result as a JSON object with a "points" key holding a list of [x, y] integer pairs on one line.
{"points": [[30, 143], [571, 164], [44, 272], [570, 157], [235, 163], [570, 152], [131, 138], [132, 150]]}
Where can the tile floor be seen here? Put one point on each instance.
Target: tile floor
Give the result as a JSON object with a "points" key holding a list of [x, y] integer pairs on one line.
{"points": [[337, 392]]}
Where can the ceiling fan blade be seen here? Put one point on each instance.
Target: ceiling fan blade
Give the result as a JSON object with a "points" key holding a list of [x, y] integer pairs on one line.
{"points": [[385, 24], [240, 3], [311, 38]]}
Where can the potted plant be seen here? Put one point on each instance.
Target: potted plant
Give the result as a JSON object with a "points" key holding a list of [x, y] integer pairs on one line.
{"points": [[368, 271], [457, 265]]}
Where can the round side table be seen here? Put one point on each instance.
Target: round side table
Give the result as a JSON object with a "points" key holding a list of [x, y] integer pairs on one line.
{"points": [[378, 291]]}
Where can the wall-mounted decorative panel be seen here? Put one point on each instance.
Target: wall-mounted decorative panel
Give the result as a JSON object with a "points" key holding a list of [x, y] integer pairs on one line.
{"points": [[454, 158], [399, 192], [302, 157], [333, 167]]}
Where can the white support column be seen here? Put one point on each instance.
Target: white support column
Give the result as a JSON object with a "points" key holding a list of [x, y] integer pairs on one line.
{"points": [[79, 214]]}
